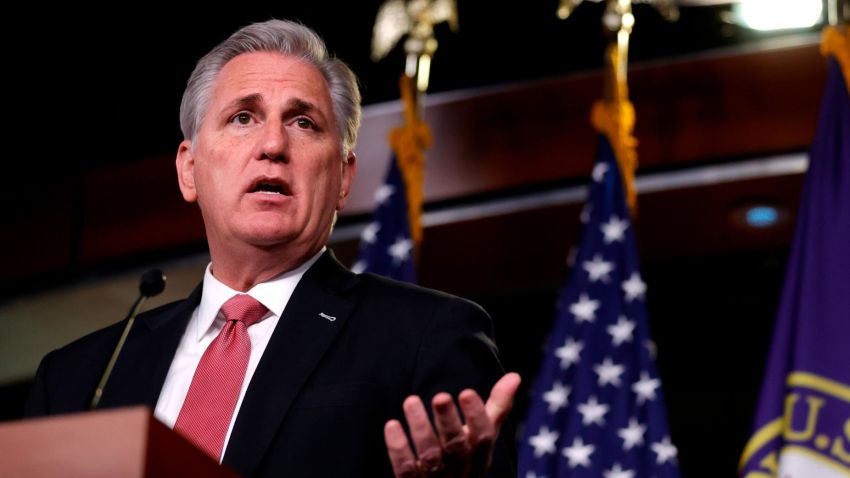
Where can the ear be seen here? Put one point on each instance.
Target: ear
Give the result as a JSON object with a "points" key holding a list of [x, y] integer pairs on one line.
{"points": [[349, 169], [186, 171]]}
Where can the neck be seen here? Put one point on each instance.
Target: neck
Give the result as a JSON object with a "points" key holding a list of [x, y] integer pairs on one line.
{"points": [[243, 269]]}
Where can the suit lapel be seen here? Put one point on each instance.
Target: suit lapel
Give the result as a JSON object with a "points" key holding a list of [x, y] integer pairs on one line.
{"points": [[144, 362], [313, 317]]}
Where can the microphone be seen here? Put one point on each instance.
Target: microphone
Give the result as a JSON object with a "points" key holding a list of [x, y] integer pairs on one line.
{"points": [[151, 284]]}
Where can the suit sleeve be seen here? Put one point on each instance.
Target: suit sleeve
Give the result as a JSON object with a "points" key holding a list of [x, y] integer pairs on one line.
{"points": [[37, 402], [457, 352]]}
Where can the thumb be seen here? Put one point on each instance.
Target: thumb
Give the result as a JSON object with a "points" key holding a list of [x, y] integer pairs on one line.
{"points": [[502, 398]]}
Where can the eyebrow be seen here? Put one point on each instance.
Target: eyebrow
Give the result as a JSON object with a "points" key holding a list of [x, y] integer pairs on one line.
{"points": [[293, 106], [297, 106], [244, 102]]}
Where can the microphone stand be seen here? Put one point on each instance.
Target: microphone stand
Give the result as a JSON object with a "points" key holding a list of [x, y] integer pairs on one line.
{"points": [[152, 283]]}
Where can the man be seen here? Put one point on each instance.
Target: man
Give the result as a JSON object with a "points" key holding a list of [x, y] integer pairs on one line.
{"points": [[282, 362]]}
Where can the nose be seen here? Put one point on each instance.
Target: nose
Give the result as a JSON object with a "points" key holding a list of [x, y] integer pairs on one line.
{"points": [[273, 142]]}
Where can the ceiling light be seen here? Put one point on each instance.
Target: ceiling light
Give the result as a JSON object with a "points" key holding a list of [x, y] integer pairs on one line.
{"points": [[779, 14]]}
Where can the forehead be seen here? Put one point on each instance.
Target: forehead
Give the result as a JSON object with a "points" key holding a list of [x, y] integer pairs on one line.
{"points": [[274, 76]]}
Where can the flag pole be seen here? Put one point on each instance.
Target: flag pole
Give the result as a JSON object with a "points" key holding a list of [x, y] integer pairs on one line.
{"points": [[416, 19], [597, 407], [614, 115], [411, 139]]}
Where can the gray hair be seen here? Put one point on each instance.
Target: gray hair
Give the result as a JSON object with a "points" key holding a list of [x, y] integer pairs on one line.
{"points": [[287, 38]]}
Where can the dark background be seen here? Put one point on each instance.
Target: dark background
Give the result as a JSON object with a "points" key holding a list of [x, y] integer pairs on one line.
{"points": [[91, 88]]}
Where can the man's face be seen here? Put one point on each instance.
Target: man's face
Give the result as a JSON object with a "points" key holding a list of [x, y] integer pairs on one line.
{"points": [[267, 167]]}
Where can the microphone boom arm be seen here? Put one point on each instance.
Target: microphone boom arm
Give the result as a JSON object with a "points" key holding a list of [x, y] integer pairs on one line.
{"points": [[106, 373], [152, 283]]}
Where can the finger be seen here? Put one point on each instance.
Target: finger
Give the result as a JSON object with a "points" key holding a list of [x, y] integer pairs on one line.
{"points": [[502, 398], [482, 432], [479, 425], [450, 428], [424, 439], [398, 449]]}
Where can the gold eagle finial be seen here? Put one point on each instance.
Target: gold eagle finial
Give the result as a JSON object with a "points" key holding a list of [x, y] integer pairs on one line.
{"points": [[397, 18]]}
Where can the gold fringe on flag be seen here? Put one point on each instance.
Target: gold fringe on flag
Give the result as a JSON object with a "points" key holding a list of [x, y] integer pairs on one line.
{"points": [[837, 44], [409, 143], [615, 118]]}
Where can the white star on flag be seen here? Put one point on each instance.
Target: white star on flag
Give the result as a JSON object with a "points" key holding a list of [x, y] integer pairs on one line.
{"points": [[622, 331], [609, 372], [556, 397], [400, 250], [645, 388], [584, 309], [618, 472], [614, 230], [593, 412], [544, 441], [578, 453], [383, 193], [569, 353], [598, 269], [632, 435], [370, 232], [599, 171], [665, 450], [634, 287]]}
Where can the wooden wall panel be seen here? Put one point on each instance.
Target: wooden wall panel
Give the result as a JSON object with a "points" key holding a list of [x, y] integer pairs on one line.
{"points": [[527, 250], [487, 141]]}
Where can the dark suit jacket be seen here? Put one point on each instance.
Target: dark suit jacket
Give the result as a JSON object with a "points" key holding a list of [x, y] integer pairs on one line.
{"points": [[323, 389]]}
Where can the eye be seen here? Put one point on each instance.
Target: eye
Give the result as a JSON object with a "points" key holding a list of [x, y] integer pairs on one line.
{"points": [[242, 118], [304, 123]]}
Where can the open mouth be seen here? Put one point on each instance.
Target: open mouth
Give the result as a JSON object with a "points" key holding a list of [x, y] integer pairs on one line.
{"points": [[267, 186]]}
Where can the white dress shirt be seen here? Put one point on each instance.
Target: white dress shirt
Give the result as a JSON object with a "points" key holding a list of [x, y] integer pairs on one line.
{"points": [[205, 324]]}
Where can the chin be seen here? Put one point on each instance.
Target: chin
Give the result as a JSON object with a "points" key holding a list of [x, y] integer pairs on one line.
{"points": [[267, 235], [271, 239]]}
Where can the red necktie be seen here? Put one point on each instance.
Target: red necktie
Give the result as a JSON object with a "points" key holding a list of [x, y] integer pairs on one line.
{"points": [[208, 408]]}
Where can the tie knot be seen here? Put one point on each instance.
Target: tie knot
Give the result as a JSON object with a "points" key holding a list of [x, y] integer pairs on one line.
{"points": [[244, 308]]}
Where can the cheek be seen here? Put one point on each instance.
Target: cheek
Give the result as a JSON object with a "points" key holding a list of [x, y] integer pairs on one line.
{"points": [[332, 186], [212, 193], [214, 172]]}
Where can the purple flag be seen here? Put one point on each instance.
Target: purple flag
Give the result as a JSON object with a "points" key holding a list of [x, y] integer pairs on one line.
{"points": [[802, 426]]}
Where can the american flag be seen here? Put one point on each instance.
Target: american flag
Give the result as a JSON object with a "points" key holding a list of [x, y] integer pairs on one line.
{"points": [[597, 409], [385, 244]]}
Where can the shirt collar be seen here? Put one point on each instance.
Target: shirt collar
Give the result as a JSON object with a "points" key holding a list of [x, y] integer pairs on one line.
{"points": [[274, 294]]}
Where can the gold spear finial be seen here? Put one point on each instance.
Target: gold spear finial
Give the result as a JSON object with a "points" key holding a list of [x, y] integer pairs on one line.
{"points": [[667, 8], [415, 18]]}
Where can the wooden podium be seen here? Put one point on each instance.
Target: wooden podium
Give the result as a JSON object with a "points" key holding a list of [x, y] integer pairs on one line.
{"points": [[126, 442]]}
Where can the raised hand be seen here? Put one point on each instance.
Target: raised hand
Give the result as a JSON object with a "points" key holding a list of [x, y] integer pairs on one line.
{"points": [[454, 449]]}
